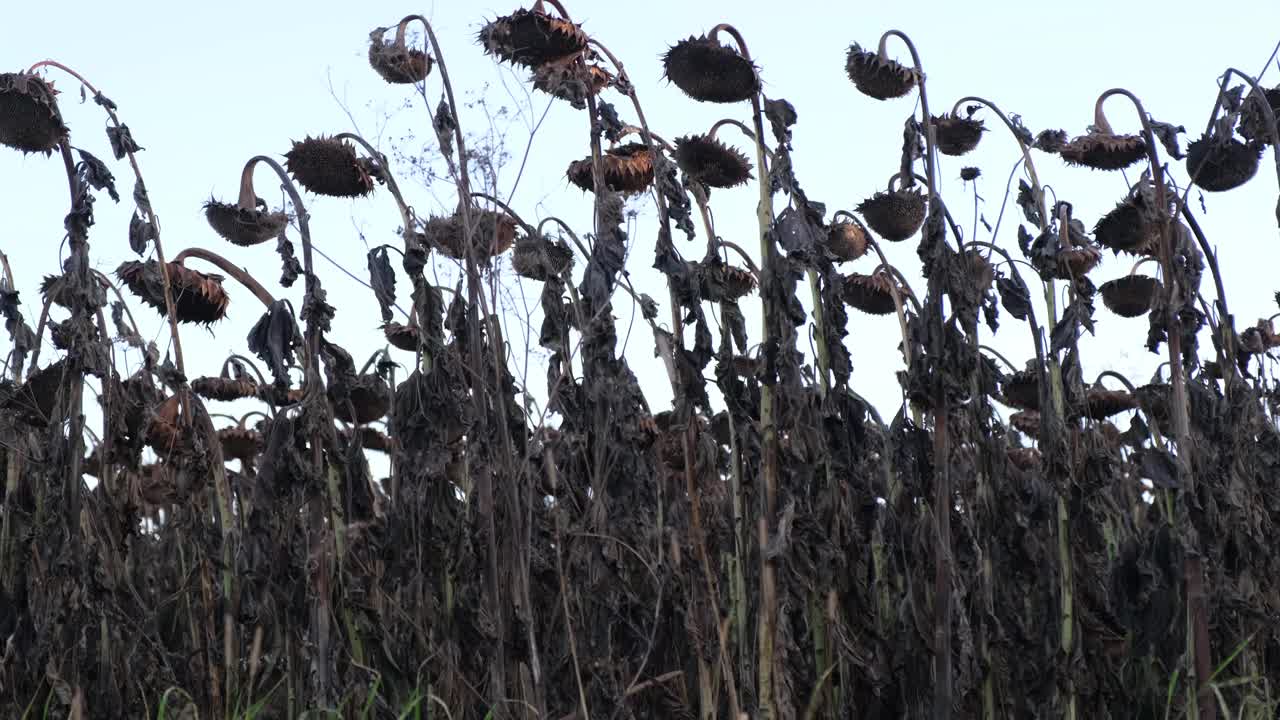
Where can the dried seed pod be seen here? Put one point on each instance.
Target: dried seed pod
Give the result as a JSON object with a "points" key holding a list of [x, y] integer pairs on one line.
{"points": [[1218, 164], [1026, 422], [895, 215], [1253, 119], [876, 76], [571, 79], [1103, 403], [531, 38], [847, 240], [541, 258], [628, 168], [29, 117], [197, 297], [36, 400], [1024, 459], [711, 162], [243, 444], [1022, 390], [401, 336], [244, 226], [328, 166], [370, 399], [1104, 151], [395, 61], [224, 389], [1075, 262], [957, 135], [724, 283], [872, 294], [1130, 296], [446, 234], [710, 72], [1134, 225]]}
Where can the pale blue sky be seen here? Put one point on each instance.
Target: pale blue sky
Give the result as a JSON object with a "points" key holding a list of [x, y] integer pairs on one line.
{"points": [[206, 86]]}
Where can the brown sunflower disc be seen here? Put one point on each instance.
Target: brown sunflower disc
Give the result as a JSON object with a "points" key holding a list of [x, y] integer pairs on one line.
{"points": [[399, 65], [401, 336], [1218, 165], [446, 235], [244, 227], [164, 435], [370, 398], [29, 116], [725, 283], [1133, 226], [1022, 390], [541, 259], [1130, 296], [957, 135], [224, 389], [710, 72], [197, 297], [628, 169], [36, 400], [1253, 120], [241, 444], [1026, 422], [895, 215], [847, 240], [872, 294], [877, 77], [1024, 459], [571, 79], [1102, 151], [711, 162], [531, 38], [1102, 403], [326, 166], [1076, 262]]}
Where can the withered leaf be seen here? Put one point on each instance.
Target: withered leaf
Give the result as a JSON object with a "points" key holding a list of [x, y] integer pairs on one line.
{"points": [[96, 173], [444, 125], [1167, 134], [141, 233], [272, 339], [1160, 467], [608, 121], [122, 142], [383, 279], [1028, 202], [782, 115], [290, 267], [648, 307]]}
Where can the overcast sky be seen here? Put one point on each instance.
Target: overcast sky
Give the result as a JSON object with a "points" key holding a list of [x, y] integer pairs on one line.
{"points": [[206, 86]]}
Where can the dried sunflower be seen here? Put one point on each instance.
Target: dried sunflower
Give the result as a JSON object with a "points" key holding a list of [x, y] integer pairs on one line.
{"points": [[980, 269], [197, 297], [164, 434], [1253, 118], [872, 294], [401, 336], [571, 79], [541, 258], [370, 400], [711, 162], [710, 72], [1103, 403], [29, 117], [896, 214], [1026, 422], [1104, 151], [328, 166], [957, 135], [1024, 459], [1130, 296], [847, 240], [531, 38], [244, 226], [877, 76], [628, 168], [224, 389], [1022, 390], [395, 61], [1076, 262], [724, 283], [243, 444], [1220, 163], [1133, 226], [446, 234], [36, 400]]}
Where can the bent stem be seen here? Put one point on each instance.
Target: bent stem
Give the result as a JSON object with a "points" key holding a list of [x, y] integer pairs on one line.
{"points": [[152, 220], [1196, 638]]}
